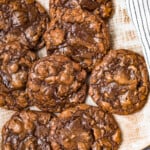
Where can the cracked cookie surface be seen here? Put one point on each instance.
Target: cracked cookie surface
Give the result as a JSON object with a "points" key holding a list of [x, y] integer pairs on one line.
{"points": [[103, 8], [15, 62], [120, 84], [27, 130], [84, 127], [79, 35], [24, 21], [56, 82]]}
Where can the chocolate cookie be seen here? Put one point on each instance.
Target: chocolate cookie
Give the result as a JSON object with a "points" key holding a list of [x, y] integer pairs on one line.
{"points": [[120, 84], [56, 82], [24, 21], [27, 130], [97, 7], [13, 100], [15, 62], [83, 128], [79, 35]]}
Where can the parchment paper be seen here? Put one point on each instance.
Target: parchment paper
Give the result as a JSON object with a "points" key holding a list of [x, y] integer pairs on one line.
{"points": [[136, 127]]}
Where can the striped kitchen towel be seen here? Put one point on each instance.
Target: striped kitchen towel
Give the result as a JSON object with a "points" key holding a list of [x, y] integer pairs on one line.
{"points": [[139, 11]]}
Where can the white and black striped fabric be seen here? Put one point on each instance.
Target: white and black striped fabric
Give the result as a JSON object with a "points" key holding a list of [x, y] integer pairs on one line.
{"points": [[139, 11]]}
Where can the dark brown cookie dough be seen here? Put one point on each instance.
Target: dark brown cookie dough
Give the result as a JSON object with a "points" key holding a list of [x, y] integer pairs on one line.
{"points": [[103, 8], [27, 130], [120, 84], [84, 128], [56, 82], [15, 62], [23, 20], [79, 35]]}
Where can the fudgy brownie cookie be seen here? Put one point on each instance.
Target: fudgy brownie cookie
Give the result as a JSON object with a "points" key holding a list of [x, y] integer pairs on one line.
{"points": [[15, 62], [23, 20], [55, 82], [120, 84], [83, 128], [79, 35], [97, 7], [13, 100], [27, 130]]}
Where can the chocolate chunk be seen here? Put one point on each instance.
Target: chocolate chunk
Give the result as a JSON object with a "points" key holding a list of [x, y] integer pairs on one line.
{"points": [[103, 8], [15, 62], [120, 84], [84, 128], [79, 35], [24, 21], [27, 130], [55, 82]]}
